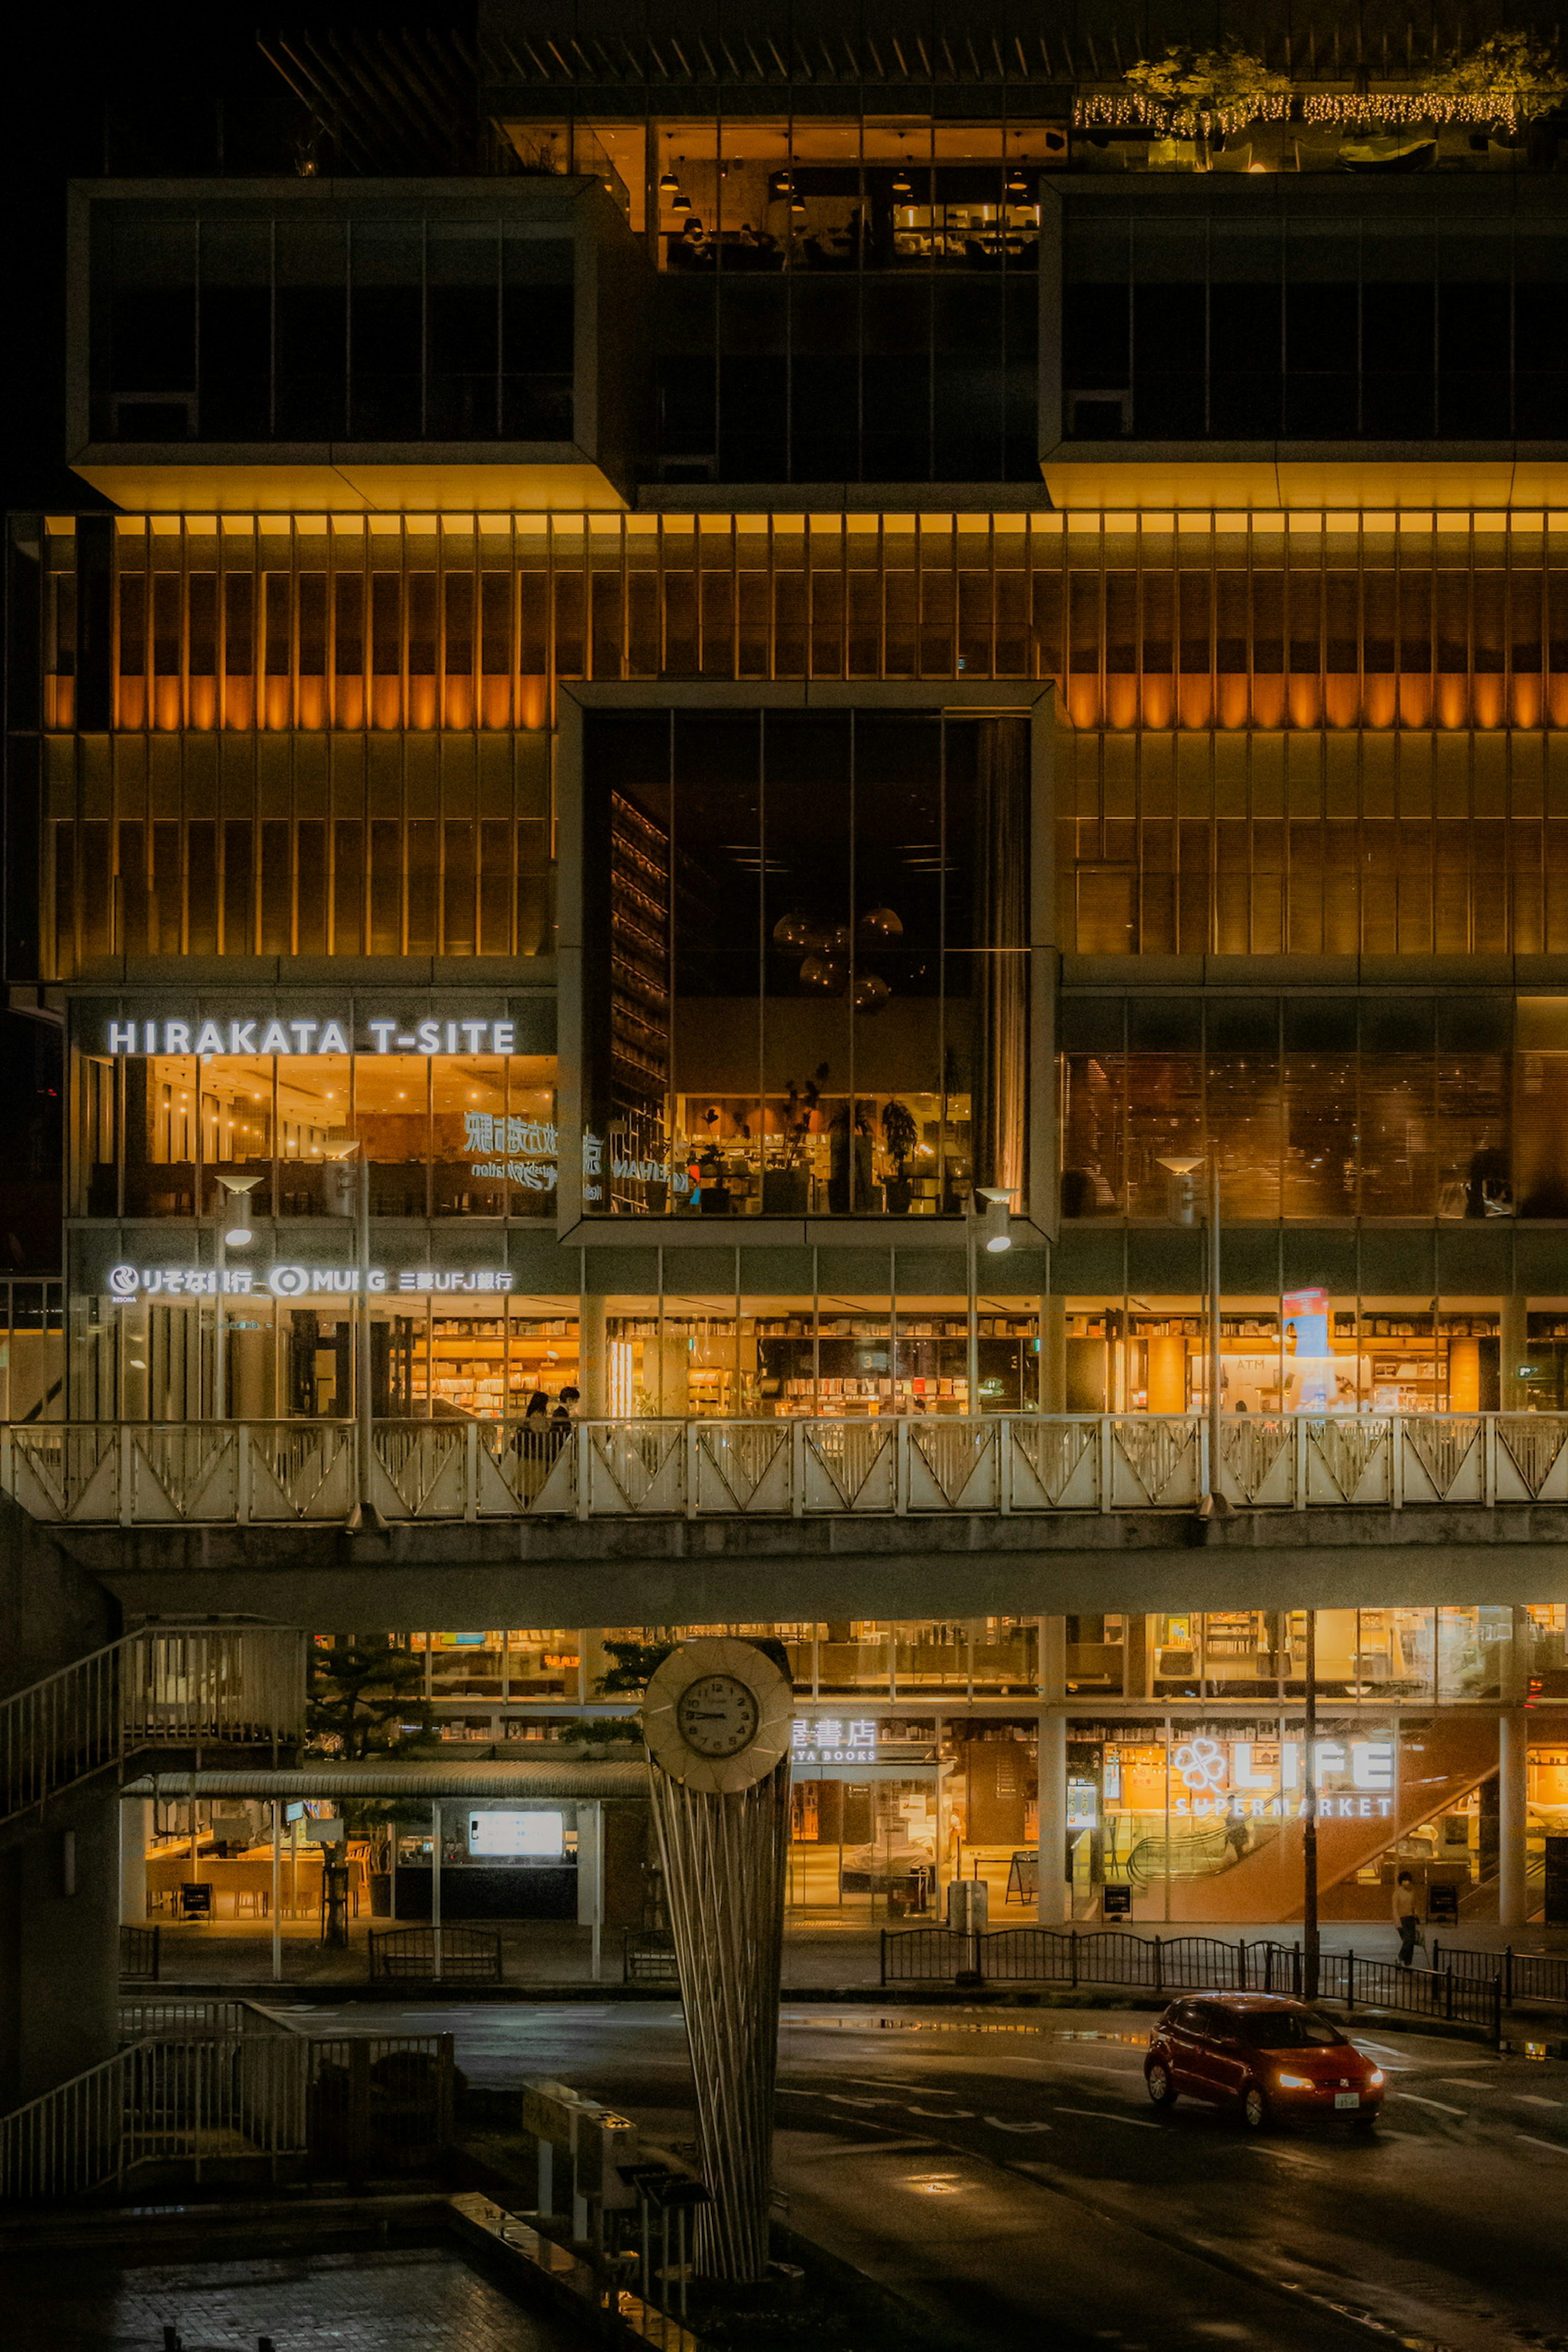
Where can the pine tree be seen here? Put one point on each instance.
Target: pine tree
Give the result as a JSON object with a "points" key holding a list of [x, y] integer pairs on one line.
{"points": [[368, 1703], [634, 1663]]}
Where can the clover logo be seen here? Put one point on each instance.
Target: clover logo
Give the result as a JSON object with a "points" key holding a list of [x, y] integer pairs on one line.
{"points": [[1201, 1763]]}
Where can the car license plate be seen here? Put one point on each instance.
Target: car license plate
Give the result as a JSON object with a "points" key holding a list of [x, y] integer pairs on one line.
{"points": [[1347, 2098]]}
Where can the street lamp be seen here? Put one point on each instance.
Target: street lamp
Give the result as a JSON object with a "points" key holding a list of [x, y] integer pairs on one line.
{"points": [[233, 1232], [354, 1199], [989, 1227], [1183, 1167]]}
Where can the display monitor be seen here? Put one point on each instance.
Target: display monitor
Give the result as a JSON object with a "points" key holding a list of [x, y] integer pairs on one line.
{"points": [[531, 1836]]}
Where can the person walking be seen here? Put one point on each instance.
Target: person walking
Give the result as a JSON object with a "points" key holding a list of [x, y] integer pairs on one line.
{"points": [[1407, 1918]]}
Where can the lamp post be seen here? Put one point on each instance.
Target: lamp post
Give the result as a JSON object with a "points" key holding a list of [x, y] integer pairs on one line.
{"points": [[356, 1194], [233, 1232], [1310, 1950], [1183, 1166], [989, 1230]]}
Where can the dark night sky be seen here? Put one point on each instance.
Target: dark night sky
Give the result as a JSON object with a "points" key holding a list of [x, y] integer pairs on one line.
{"points": [[147, 87]]}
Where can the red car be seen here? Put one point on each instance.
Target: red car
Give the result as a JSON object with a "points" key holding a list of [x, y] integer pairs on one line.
{"points": [[1266, 2055]]}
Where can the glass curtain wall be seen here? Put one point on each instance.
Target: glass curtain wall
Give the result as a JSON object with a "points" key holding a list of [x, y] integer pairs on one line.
{"points": [[1331, 1107], [813, 999]]}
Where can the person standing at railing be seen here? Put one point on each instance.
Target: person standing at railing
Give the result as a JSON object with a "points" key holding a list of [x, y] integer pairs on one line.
{"points": [[533, 1440], [1407, 1918]]}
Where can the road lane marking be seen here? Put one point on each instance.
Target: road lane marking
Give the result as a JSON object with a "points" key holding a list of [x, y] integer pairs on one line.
{"points": [[1418, 2101], [1533, 2099], [1555, 2146], [1100, 2115], [999, 2124], [946, 2114]]}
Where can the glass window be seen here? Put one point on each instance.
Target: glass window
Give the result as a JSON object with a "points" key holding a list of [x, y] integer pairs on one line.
{"points": [[814, 1001], [455, 1135]]}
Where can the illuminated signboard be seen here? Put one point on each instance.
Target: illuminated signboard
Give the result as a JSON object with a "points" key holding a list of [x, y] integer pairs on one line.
{"points": [[1263, 1779], [297, 1281], [530, 1146], [833, 1740], [262, 1033]]}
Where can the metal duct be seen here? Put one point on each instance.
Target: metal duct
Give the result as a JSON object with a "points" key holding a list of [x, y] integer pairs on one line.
{"points": [[459, 1782]]}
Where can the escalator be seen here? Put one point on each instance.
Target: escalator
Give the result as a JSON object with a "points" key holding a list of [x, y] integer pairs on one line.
{"points": [[1451, 1755]]}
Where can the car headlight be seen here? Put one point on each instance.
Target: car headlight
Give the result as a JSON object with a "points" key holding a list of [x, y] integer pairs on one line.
{"points": [[1294, 2082], [1374, 2080]]}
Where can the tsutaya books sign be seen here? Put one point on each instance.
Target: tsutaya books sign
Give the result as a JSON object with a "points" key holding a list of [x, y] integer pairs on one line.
{"points": [[833, 1740], [262, 1033], [1262, 1780], [298, 1281]]}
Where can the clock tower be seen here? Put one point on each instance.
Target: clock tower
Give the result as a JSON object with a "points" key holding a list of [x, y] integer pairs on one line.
{"points": [[717, 1718]]}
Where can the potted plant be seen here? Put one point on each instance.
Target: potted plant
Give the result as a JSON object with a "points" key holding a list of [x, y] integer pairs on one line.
{"points": [[900, 1136], [787, 1189]]}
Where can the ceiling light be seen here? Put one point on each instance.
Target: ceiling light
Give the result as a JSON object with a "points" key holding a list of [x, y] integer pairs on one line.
{"points": [[240, 1237], [670, 185]]}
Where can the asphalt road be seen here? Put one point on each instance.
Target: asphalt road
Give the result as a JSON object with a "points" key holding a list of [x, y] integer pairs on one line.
{"points": [[1005, 2172]]}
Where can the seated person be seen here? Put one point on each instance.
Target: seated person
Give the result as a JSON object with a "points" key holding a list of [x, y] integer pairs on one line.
{"points": [[690, 249]]}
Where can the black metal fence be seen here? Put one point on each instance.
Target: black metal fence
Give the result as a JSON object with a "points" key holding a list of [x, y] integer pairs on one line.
{"points": [[456, 1955], [378, 2105], [140, 1954], [647, 1957], [1531, 1977], [1174, 1964]]}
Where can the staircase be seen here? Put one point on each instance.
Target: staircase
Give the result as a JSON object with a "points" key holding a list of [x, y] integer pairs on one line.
{"points": [[189, 1689], [218, 2091]]}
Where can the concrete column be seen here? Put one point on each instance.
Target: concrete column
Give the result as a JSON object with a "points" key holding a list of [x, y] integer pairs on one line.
{"points": [[1054, 1904], [593, 1357], [1053, 1355], [1514, 1807], [1512, 1342], [135, 1831], [59, 1946]]}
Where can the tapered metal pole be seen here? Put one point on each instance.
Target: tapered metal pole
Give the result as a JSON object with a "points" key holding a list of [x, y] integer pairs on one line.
{"points": [[277, 1890], [362, 1400], [1310, 1818], [1214, 1326]]}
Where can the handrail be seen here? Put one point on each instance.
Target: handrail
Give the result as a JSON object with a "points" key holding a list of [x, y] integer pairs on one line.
{"points": [[171, 1686], [271, 1473], [221, 2086], [1165, 1965]]}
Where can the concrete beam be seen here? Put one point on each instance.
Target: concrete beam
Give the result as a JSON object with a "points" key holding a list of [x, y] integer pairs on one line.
{"points": [[740, 1570], [447, 1783]]}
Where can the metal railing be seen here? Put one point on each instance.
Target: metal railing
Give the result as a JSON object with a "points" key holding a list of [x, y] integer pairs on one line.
{"points": [[137, 1474], [456, 1955], [195, 2102], [140, 1954], [1533, 1977], [647, 1957], [232, 2086], [182, 1686], [1177, 1964]]}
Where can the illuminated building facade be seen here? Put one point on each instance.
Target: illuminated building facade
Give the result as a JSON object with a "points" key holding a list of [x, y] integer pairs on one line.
{"points": [[848, 629]]}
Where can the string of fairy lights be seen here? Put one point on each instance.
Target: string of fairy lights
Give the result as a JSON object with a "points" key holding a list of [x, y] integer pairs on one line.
{"points": [[1508, 83]]}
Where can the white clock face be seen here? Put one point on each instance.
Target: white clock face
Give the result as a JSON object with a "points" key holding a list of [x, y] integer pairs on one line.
{"points": [[717, 1715]]}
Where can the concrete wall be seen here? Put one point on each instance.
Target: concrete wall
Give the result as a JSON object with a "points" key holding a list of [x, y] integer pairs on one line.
{"points": [[59, 1873]]}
